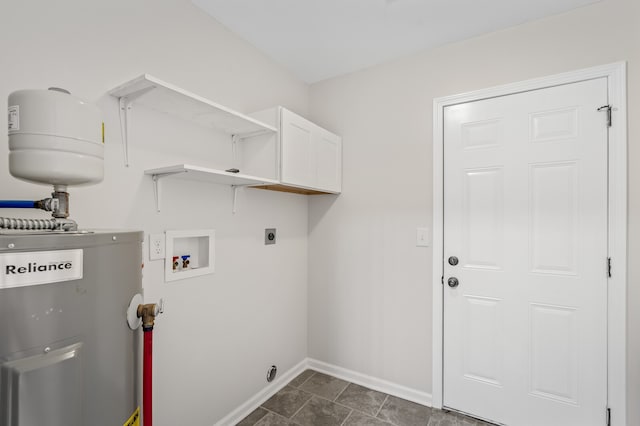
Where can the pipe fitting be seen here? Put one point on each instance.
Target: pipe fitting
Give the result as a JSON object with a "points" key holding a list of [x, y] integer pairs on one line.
{"points": [[61, 210], [148, 313], [58, 204], [47, 204]]}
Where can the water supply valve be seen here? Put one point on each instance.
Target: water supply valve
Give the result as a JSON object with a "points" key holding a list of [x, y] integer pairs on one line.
{"points": [[148, 313], [139, 313]]}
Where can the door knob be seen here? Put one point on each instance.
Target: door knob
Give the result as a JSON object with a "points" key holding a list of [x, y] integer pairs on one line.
{"points": [[453, 282], [453, 261]]}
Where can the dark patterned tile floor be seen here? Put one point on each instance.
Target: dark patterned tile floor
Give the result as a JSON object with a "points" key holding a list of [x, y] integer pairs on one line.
{"points": [[316, 399]]}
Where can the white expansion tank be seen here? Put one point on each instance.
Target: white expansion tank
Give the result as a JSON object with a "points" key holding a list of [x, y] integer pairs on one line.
{"points": [[55, 138]]}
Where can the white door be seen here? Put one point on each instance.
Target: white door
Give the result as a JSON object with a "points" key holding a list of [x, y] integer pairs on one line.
{"points": [[525, 213]]}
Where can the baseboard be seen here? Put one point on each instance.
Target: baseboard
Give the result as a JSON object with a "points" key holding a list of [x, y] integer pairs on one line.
{"points": [[371, 382], [259, 398]]}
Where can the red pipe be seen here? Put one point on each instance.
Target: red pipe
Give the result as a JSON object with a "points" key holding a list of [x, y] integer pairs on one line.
{"points": [[147, 370]]}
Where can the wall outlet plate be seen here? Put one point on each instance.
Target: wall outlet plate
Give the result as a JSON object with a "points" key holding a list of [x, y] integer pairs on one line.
{"points": [[423, 237], [156, 246], [270, 236]]}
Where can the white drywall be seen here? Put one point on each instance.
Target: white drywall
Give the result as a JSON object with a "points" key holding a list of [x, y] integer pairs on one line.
{"points": [[369, 285], [220, 332]]}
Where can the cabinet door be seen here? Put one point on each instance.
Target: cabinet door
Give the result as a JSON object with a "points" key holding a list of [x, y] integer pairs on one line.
{"points": [[297, 150], [328, 160]]}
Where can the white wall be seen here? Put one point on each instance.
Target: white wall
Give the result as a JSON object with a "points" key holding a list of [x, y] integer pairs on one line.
{"points": [[369, 286], [219, 333]]}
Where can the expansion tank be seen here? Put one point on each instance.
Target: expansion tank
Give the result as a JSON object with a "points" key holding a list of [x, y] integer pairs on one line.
{"points": [[67, 355]]}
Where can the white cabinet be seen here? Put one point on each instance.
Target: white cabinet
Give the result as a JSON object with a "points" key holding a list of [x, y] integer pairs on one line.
{"points": [[310, 156]]}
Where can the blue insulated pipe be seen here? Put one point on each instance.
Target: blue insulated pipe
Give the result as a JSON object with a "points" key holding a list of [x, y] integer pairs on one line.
{"points": [[17, 204]]}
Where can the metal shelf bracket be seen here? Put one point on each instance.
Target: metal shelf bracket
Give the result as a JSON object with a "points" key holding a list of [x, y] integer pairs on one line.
{"points": [[126, 104], [235, 197], [234, 150], [156, 186]]}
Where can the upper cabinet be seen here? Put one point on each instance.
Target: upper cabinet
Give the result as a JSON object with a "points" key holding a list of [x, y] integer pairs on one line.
{"points": [[310, 156]]}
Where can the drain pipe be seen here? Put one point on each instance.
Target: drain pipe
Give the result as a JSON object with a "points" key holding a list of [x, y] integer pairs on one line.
{"points": [[148, 314]]}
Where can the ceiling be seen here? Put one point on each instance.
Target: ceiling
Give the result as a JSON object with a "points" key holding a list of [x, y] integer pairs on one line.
{"points": [[319, 39]]}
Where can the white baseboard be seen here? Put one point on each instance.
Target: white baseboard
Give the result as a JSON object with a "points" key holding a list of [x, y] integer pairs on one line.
{"points": [[259, 398], [370, 382]]}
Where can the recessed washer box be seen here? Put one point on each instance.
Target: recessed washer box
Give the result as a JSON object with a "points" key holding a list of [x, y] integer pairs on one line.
{"points": [[189, 253]]}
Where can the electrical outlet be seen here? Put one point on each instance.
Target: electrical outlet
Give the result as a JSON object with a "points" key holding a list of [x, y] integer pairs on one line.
{"points": [[156, 246], [270, 236]]}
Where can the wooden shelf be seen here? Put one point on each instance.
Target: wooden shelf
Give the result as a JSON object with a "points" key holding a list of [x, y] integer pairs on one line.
{"points": [[293, 189], [203, 174]]}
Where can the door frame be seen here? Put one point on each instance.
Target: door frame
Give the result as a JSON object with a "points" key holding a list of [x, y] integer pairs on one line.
{"points": [[617, 235]]}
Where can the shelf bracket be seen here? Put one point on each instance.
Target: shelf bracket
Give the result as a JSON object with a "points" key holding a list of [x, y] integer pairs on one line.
{"points": [[126, 104], [156, 186], [235, 197], [234, 150]]}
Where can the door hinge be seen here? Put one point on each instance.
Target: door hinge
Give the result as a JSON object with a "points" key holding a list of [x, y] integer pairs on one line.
{"points": [[608, 109], [442, 280], [608, 416], [609, 267]]}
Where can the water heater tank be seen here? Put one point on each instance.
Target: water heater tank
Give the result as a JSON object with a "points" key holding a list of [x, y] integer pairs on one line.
{"points": [[54, 138]]}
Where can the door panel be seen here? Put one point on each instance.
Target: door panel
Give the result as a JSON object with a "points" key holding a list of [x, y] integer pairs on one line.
{"points": [[554, 217], [525, 211], [483, 209], [483, 362], [554, 353]]}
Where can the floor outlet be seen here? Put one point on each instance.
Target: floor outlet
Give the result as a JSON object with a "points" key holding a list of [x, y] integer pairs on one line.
{"points": [[156, 247]]}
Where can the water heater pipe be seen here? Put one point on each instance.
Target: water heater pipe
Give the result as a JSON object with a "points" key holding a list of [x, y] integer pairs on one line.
{"points": [[58, 204], [147, 384], [38, 224], [17, 204], [148, 314]]}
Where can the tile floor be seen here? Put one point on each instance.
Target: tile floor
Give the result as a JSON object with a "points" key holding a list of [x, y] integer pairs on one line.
{"points": [[315, 399]]}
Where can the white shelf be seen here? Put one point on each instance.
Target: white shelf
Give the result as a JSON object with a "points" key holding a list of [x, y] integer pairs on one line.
{"points": [[203, 174], [164, 97], [186, 171]]}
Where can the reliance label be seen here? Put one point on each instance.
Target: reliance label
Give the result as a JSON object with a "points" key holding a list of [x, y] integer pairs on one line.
{"points": [[40, 267]]}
